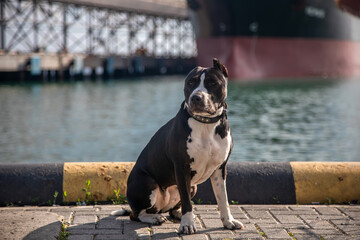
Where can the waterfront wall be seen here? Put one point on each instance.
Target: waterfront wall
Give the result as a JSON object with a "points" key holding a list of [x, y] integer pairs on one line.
{"points": [[42, 66], [247, 183]]}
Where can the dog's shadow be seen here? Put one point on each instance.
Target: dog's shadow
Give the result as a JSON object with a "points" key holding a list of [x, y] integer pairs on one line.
{"points": [[118, 227]]}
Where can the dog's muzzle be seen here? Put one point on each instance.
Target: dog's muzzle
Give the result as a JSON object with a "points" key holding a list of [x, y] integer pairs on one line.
{"points": [[201, 103]]}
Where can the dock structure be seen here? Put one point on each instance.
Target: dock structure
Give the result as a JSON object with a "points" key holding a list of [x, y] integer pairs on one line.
{"points": [[106, 37]]}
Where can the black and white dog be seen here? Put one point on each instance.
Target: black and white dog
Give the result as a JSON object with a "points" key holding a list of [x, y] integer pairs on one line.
{"points": [[185, 152]]}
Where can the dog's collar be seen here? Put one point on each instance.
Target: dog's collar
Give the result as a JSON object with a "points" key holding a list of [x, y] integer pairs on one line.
{"points": [[207, 120]]}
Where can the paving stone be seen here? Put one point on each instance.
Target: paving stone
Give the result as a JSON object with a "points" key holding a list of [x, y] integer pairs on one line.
{"points": [[296, 212], [354, 215], [171, 225], [37, 208], [319, 224], [221, 236], [327, 210], [206, 208], [84, 208], [84, 231], [259, 214], [82, 219], [248, 236], [268, 221], [80, 237], [61, 209], [235, 208], [294, 225], [334, 217], [87, 226], [288, 219], [300, 208], [198, 224], [112, 207], [164, 233], [270, 225], [248, 229], [89, 222], [212, 223], [345, 222], [306, 237], [86, 214], [116, 237], [326, 231], [103, 217], [264, 207], [239, 216], [354, 208], [196, 236], [65, 216], [108, 210], [132, 229], [337, 237], [210, 216], [350, 229], [282, 212], [275, 233], [278, 207], [110, 224], [207, 215], [311, 217], [29, 225]]}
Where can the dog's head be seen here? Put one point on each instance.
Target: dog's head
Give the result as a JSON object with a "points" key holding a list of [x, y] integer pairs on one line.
{"points": [[205, 90]]}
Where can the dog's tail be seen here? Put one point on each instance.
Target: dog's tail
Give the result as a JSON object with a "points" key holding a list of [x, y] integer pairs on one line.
{"points": [[121, 212]]}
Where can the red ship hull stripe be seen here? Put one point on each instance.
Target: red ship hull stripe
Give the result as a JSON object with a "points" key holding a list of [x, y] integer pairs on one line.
{"points": [[260, 57]]}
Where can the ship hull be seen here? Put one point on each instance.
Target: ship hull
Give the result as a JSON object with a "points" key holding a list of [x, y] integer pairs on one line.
{"points": [[266, 57], [286, 39]]}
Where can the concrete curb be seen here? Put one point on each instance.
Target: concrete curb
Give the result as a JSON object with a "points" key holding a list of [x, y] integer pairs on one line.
{"points": [[247, 183]]}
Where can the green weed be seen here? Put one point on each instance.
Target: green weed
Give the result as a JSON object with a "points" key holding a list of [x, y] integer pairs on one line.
{"points": [[87, 192], [198, 201], [117, 197], [64, 234], [292, 235], [276, 200], [55, 196], [64, 198], [36, 200], [330, 201]]}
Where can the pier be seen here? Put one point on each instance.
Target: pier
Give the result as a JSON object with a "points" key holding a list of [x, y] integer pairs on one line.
{"points": [[85, 38]]}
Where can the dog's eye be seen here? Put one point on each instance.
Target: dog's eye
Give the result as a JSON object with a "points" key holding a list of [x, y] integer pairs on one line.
{"points": [[191, 82], [212, 83]]}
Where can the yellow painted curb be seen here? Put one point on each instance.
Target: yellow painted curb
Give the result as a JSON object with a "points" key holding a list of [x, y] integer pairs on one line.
{"points": [[326, 181], [105, 177]]}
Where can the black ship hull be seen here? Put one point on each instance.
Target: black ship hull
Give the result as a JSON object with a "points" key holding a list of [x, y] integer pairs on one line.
{"points": [[289, 38]]}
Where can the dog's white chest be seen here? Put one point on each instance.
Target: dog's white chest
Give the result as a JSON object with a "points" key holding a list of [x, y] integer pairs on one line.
{"points": [[207, 149]]}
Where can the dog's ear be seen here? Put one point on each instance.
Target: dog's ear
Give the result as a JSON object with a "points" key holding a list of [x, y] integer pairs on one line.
{"points": [[218, 65]]}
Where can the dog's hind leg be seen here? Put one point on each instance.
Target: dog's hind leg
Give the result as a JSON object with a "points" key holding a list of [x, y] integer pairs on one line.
{"points": [[151, 214], [175, 212], [145, 199]]}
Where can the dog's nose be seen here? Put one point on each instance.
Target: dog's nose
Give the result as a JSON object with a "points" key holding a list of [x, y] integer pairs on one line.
{"points": [[196, 99]]}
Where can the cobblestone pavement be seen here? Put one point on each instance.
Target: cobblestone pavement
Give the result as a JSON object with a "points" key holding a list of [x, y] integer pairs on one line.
{"points": [[260, 221]]}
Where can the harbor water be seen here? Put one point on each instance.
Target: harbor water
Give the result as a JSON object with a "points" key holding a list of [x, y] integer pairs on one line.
{"points": [[112, 120]]}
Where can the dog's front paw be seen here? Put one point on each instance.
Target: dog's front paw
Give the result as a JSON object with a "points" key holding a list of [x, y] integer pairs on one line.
{"points": [[232, 223], [187, 224]]}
